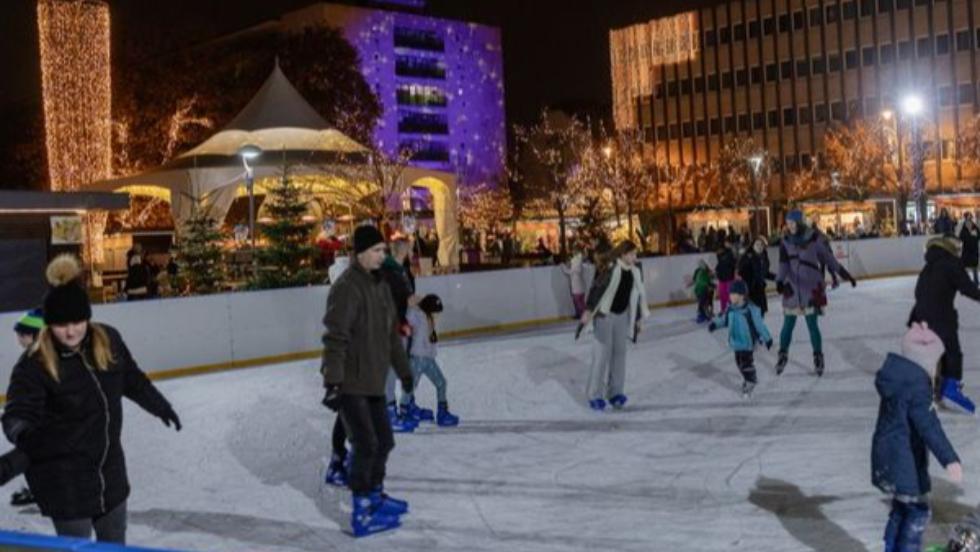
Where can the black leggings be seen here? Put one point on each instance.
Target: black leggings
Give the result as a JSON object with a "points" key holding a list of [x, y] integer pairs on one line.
{"points": [[109, 527], [951, 363], [367, 424], [339, 439]]}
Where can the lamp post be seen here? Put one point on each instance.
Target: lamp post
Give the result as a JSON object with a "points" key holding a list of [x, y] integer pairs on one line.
{"points": [[248, 152], [912, 106], [755, 162], [835, 184]]}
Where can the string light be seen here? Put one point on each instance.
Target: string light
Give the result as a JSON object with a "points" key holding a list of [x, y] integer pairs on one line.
{"points": [[76, 84]]}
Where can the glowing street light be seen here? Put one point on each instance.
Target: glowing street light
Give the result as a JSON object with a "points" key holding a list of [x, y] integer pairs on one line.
{"points": [[250, 152], [912, 105], [887, 114]]}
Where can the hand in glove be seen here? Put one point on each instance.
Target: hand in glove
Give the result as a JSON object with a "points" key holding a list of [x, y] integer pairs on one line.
{"points": [[408, 385], [847, 276], [13, 464], [331, 399], [769, 344], [785, 288], [170, 417], [712, 327]]}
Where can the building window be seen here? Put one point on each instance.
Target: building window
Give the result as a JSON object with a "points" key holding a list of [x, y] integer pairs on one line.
{"points": [[927, 151], [725, 35], [799, 21], [790, 163], [417, 39], [784, 23], [661, 133], [905, 50], [967, 93], [431, 96], [671, 89], [786, 70], [773, 119], [789, 116], [702, 128], [730, 124], [757, 75], [768, 26], [885, 6], [948, 150], [686, 87], [867, 8], [855, 108], [803, 68], [716, 126], [772, 72], [713, 83], [740, 31], [942, 44], [699, 85], [726, 79], [419, 67], [805, 115], [819, 65], [422, 123], [903, 4], [832, 13], [820, 113], [688, 129], [946, 96], [869, 56], [710, 38], [837, 111], [833, 63], [806, 161], [887, 54], [758, 120], [816, 16], [851, 59], [425, 150], [744, 122], [921, 2], [741, 77], [924, 47], [964, 40], [675, 131], [850, 10], [753, 29]]}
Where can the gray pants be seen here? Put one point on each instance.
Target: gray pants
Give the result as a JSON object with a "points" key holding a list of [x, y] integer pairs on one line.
{"points": [[429, 368], [608, 373], [109, 527]]}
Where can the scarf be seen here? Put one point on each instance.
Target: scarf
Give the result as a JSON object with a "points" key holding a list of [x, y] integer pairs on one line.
{"points": [[638, 296]]}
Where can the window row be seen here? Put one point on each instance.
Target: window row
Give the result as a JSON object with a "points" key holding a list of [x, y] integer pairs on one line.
{"points": [[745, 122], [799, 19]]}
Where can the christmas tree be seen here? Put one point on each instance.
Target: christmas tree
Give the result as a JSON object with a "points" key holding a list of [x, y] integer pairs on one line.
{"points": [[287, 259], [200, 269]]}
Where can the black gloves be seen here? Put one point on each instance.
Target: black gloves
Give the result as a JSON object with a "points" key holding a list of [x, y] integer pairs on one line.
{"points": [[331, 399], [13, 464], [784, 288], [769, 344], [847, 276], [408, 385], [712, 327], [170, 417]]}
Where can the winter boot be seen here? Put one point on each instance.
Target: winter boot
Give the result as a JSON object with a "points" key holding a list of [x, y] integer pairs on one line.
{"points": [[398, 423], [618, 402], [336, 472], [818, 363], [22, 497], [782, 362], [597, 405], [747, 387], [444, 418], [953, 392], [701, 319], [387, 505], [367, 520], [412, 410]]}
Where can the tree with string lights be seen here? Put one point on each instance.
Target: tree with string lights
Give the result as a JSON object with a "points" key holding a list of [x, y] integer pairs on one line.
{"points": [[199, 253], [287, 259]]}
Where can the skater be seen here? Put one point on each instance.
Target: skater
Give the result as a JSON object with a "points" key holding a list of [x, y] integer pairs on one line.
{"points": [[575, 270], [745, 328], [725, 271], [969, 235], [616, 306], [704, 291], [753, 269], [802, 253], [944, 225], [361, 344], [64, 410], [422, 315], [397, 273], [935, 291], [906, 431], [27, 328]]}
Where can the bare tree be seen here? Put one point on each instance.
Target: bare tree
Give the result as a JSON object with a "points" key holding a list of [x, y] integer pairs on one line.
{"points": [[630, 176], [482, 208]]}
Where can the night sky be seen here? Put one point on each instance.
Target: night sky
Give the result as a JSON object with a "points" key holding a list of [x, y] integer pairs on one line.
{"points": [[556, 53]]}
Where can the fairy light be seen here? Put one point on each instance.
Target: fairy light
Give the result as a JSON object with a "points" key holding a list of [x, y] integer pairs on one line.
{"points": [[76, 83]]}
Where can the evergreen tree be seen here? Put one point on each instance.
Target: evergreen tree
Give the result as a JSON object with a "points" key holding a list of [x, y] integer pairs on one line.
{"points": [[200, 268], [287, 260]]}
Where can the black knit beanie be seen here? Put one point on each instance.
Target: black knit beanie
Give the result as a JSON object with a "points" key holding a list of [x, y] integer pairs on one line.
{"points": [[66, 300], [430, 304], [366, 237]]}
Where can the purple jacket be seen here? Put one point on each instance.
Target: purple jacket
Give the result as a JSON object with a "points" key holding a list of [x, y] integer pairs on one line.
{"points": [[802, 258]]}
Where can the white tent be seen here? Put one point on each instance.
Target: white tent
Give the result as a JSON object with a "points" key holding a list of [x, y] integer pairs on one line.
{"points": [[287, 128]]}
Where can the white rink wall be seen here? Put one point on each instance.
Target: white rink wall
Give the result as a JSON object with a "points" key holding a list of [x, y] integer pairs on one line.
{"points": [[169, 334]]}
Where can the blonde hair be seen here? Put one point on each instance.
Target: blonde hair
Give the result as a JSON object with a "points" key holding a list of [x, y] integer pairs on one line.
{"points": [[44, 350]]}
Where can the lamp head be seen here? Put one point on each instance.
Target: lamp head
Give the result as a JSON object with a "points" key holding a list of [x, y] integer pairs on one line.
{"points": [[912, 105], [249, 151]]}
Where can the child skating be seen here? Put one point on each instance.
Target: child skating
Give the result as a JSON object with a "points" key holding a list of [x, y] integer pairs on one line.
{"points": [[422, 358], [745, 328], [703, 282]]}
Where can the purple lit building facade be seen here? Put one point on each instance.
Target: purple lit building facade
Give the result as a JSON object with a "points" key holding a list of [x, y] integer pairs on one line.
{"points": [[440, 81]]}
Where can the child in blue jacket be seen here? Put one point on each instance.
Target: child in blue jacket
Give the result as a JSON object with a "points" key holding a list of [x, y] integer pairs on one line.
{"points": [[907, 430], [745, 328]]}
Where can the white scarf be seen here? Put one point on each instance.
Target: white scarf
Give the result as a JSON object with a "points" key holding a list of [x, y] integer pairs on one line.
{"points": [[638, 296]]}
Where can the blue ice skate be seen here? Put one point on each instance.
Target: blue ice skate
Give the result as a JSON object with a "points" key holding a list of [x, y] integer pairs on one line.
{"points": [[366, 519], [388, 505], [618, 401], [400, 424], [413, 411], [953, 392], [336, 472], [444, 418], [701, 319], [597, 404]]}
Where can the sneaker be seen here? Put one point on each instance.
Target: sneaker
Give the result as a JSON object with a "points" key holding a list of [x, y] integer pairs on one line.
{"points": [[782, 362], [953, 392], [818, 365], [597, 404], [366, 519], [747, 388], [618, 402]]}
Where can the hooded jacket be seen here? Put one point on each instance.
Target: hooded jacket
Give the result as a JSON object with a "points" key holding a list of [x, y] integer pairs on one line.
{"points": [[745, 326], [802, 257], [969, 236], [907, 429], [935, 290]]}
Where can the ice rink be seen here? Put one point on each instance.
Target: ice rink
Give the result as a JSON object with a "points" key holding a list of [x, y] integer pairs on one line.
{"points": [[687, 466]]}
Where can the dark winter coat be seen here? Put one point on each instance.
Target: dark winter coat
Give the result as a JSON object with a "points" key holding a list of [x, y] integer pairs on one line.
{"points": [[725, 269], [802, 258], [402, 283], [936, 289], [361, 340], [138, 280], [70, 430], [970, 237], [944, 225], [753, 269], [907, 429]]}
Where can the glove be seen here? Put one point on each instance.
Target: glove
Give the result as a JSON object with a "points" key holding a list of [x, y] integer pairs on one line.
{"points": [[13, 464], [331, 398], [405, 330], [769, 344], [779, 287], [170, 417], [712, 327], [408, 385], [787, 290], [847, 276]]}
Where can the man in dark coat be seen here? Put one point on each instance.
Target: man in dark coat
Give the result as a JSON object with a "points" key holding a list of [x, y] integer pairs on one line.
{"points": [[969, 235], [944, 225], [906, 431], [940, 280]]}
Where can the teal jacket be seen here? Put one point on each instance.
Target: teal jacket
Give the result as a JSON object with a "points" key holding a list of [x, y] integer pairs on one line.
{"points": [[737, 320]]}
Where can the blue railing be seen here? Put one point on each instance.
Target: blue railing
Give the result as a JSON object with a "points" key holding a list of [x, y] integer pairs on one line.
{"points": [[28, 542]]}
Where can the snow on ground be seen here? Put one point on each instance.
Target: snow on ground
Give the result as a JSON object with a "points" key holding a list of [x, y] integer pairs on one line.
{"points": [[688, 466]]}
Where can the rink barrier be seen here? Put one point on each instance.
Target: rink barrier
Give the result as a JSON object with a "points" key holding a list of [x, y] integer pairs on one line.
{"points": [[187, 336], [45, 543]]}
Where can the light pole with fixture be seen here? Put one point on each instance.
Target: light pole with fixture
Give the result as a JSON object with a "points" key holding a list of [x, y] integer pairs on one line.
{"points": [[912, 106], [755, 163], [249, 152]]}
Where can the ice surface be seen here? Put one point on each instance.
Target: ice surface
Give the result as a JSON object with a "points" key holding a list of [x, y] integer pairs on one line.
{"points": [[688, 466]]}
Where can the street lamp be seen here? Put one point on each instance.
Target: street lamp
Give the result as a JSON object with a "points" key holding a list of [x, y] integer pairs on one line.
{"points": [[913, 106], [755, 163], [250, 152]]}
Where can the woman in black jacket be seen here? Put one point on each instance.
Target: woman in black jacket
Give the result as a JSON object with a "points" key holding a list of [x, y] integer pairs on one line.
{"points": [[969, 235], [64, 411], [753, 269]]}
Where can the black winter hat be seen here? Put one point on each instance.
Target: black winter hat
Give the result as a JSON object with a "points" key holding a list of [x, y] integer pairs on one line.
{"points": [[739, 287], [366, 237], [66, 300], [430, 304]]}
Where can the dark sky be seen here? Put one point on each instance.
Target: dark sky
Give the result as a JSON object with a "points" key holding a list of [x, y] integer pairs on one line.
{"points": [[555, 52]]}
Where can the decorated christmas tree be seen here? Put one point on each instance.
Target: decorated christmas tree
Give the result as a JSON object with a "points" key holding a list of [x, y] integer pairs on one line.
{"points": [[200, 268], [287, 259]]}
